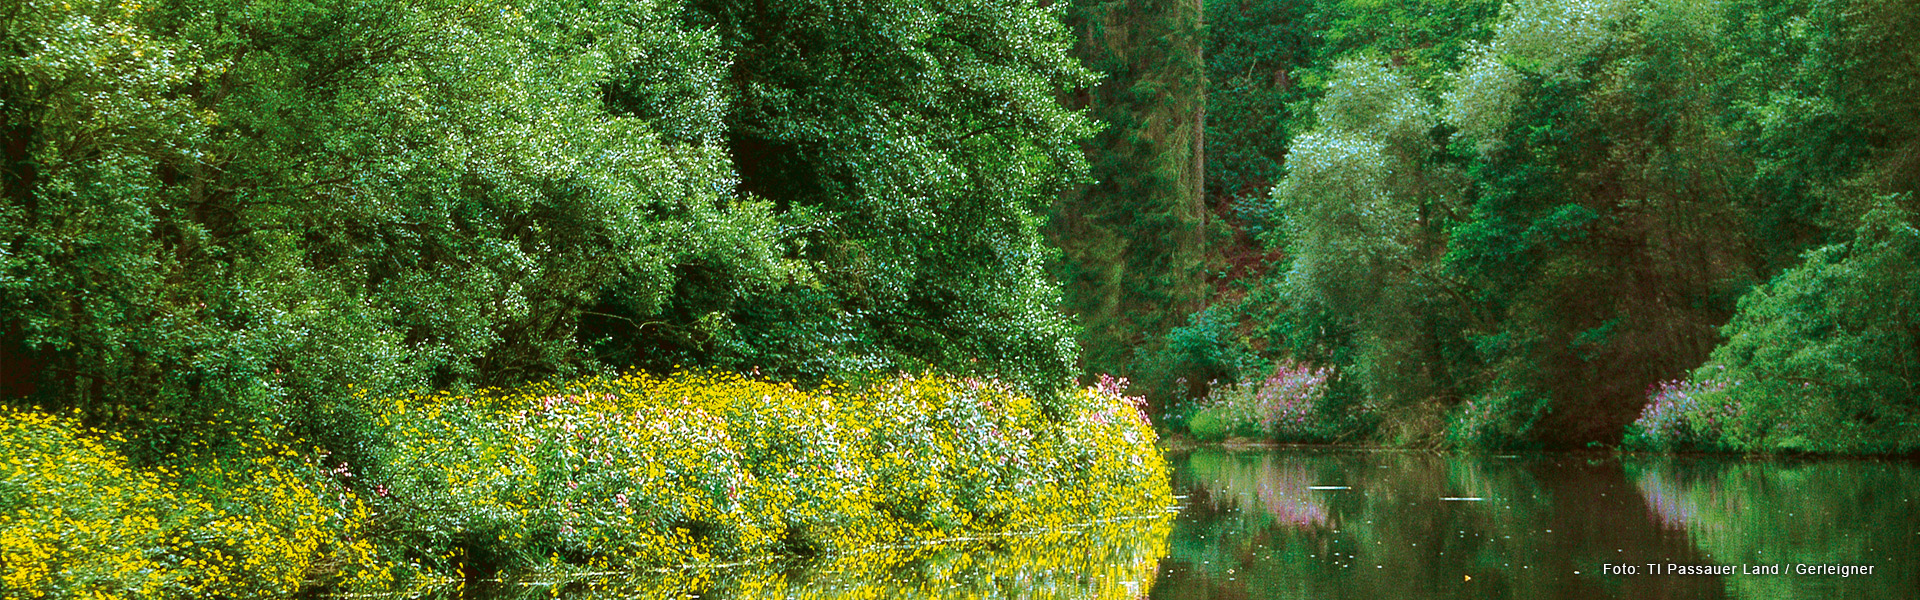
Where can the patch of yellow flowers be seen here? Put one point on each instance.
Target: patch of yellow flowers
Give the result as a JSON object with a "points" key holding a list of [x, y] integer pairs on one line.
{"points": [[701, 468], [603, 474], [78, 520]]}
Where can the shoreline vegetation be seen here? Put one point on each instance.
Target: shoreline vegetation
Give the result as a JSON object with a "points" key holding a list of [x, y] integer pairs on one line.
{"points": [[1663, 225], [235, 235], [598, 475]]}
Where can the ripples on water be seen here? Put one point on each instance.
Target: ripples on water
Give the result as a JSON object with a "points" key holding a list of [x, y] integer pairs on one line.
{"points": [[1381, 525]]}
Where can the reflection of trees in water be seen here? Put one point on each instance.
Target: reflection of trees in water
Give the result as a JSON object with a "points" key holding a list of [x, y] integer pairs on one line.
{"points": [[1257, 530], [1276, 485], [1675, 495], [1779, 512], [1672, 507], [1388, 534], [1103, 561], [1285, 494]]}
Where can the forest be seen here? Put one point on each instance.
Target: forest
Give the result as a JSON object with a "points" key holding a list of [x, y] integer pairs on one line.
{"points": [[288, 251], [1649, 225]]}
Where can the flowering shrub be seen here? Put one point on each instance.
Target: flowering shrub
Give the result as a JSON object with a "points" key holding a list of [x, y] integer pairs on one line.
{"points": [[1109, 386], [1285, 406], [78, 520], [631, 472], [1684, 414], [643, 471]]}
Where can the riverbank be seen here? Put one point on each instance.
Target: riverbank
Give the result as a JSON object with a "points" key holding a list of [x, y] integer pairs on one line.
{"points": [[1180, 442], [601, 474]]}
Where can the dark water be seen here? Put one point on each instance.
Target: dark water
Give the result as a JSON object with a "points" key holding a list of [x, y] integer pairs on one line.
{"points": [[1373, 525], [1385, 525]]}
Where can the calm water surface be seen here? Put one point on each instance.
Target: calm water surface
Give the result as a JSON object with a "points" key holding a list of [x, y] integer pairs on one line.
{"points": [[1373, 525], [1380, 525]]}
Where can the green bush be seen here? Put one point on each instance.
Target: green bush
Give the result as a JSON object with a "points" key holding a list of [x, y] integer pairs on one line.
{"points": [[1818, 360], [1210, 424], [1502, 419], [248, 206], [1210, 348]]}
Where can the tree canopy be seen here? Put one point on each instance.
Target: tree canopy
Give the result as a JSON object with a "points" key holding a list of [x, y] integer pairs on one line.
{"points": [[1503, 227], [253, 208]]}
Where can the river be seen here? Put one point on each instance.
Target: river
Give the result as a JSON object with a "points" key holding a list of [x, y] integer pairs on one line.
{"points": [[1376, 525], [1373, 525]]}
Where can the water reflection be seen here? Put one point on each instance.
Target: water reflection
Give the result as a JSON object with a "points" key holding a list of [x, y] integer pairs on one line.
{"points": [[1282, 486], [1108, 561], [1845, 513], [1302, 524]]}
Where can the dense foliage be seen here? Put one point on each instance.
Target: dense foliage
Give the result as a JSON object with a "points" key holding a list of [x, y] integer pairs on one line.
{"points": [[1133, 239], [251, 205], [909, 146], [1819, 359], [233, 227], [1505, 228]]}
